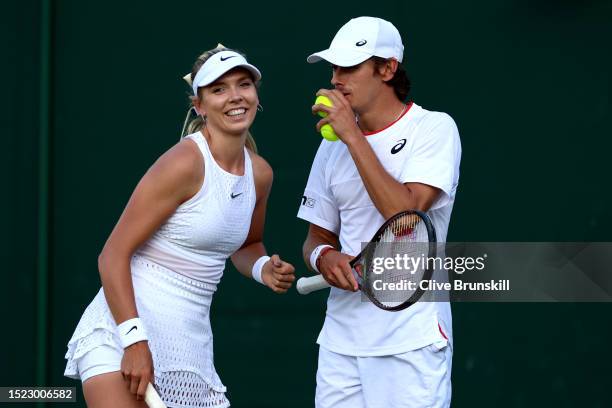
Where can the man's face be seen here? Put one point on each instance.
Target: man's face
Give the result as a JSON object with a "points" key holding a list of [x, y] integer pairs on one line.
{"points": [[360, 84]]}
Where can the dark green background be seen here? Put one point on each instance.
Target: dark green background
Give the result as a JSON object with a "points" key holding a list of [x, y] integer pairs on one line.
{"points": [[528, 83]]}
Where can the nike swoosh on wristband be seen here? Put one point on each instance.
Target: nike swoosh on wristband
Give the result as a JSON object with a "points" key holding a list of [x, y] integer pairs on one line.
{"points": [[133, 328]]}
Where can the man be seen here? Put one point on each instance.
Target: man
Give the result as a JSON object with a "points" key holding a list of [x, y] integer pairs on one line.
{"points": [[391, 156]]}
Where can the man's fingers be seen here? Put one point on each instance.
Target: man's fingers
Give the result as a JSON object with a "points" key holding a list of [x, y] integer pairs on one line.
{"points": [[345, 277], [343, 283], [332, 97], [322, 122], [321, 108], [323, 91], [353, 281], [338, 272], [337, 98], [359, 269], [348, 274], [331, 279]]}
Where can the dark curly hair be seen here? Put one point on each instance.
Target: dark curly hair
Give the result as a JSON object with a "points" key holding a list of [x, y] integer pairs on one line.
{"points": [[400, 81]]}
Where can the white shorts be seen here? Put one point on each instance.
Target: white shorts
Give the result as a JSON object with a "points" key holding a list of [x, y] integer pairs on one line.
{"points": [[101, 360], [175, 311], [418, 378]]}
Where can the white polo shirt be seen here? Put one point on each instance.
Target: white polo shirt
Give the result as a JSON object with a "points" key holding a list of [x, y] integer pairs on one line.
{"points": [[421, 146]]}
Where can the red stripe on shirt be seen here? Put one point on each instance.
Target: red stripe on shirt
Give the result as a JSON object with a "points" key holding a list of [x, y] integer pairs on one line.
{"points": [[442, 331], [392, 123]]}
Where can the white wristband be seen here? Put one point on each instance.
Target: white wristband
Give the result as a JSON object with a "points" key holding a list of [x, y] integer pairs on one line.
{"points": [[131, 331], [258, 267], [314, 255]]}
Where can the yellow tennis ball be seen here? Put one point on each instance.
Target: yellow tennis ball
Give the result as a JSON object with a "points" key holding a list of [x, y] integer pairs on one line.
{"points": [[323, 100], [327, 131]]}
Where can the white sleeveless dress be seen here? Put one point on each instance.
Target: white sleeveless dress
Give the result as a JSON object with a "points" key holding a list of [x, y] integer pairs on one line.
{"points": [[175, 274]]}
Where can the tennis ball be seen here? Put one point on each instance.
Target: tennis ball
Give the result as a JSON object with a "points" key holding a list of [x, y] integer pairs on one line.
{"points": [[327, 131]]}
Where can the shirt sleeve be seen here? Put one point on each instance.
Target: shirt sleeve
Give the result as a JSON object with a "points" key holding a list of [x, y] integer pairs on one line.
{"points": [[434, 158], [318, 205]]}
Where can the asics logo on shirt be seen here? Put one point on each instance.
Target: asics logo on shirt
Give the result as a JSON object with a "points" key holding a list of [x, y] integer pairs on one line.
{"points": [[308, 202], [133, 328], [361, 43], [234, 195], [399, 146]]}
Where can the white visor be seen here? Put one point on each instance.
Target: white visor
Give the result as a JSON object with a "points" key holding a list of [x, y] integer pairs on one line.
{"points": [[217, 65]]}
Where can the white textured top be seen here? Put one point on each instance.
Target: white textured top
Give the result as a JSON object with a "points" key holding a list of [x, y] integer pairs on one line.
{"points": [[209, 227], [421, 146], [175, 274]]}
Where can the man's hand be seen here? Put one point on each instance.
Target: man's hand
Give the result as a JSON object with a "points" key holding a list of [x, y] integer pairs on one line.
{"points": [[340, 116], [278, 274], [335, 268]]}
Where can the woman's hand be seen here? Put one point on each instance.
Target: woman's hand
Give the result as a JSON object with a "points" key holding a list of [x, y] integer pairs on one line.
{"points": [[277, 274], [137, 368]]}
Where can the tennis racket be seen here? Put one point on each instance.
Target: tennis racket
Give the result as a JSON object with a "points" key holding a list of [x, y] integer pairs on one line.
{"points": [[152, 398], [389, 283]]}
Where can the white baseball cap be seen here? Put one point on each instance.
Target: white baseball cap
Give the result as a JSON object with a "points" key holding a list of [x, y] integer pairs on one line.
{"points": [[360, 39], [217, 65]]}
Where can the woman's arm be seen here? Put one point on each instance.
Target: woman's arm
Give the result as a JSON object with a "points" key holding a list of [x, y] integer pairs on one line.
{"points": [[276, 274], [174, 178]]}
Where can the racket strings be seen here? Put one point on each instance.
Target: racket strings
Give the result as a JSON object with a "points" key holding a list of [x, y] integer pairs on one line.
{"points": [[402, 252]]}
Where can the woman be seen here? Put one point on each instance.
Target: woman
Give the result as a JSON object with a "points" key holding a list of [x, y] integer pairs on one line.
{"points": [[203, 201]]}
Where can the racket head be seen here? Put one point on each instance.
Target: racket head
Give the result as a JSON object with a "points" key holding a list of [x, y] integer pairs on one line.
{"points": [[411, 236]]}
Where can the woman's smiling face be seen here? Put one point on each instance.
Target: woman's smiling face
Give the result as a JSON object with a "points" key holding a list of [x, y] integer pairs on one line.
{"points": [[230, 103]]}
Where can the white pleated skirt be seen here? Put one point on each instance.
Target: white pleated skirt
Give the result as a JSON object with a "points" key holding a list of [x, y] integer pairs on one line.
{"points": [[175, 312]]}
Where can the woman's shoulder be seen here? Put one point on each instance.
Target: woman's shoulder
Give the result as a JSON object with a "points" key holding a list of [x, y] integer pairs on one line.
{"points": [[262, 171], [182, 162]]}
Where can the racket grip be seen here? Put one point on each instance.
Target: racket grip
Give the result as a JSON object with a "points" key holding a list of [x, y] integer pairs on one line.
{"points": [[306, 285], [152, 398]]}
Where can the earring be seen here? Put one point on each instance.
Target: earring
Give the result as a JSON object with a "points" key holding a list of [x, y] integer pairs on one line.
{"points": [[259, 107]]}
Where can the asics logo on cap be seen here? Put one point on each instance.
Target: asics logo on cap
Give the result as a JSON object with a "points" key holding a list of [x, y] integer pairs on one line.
{"points": [[226, 58], [361, 43]]}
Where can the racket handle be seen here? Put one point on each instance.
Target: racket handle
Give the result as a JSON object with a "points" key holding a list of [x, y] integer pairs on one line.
{"points": [[306, 285], [152, 398]]}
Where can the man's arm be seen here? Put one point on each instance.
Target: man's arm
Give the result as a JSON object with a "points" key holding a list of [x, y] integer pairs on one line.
{"points": [[317, 236], [388, 195], [333, 265]]}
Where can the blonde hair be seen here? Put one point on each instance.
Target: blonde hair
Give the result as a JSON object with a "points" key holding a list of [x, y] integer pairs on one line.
{"points": [[196, 124]]}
